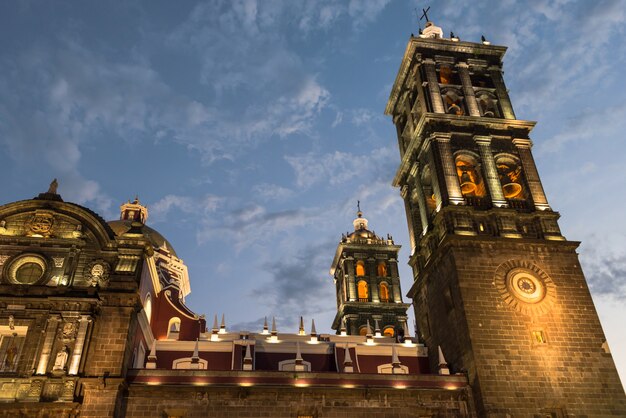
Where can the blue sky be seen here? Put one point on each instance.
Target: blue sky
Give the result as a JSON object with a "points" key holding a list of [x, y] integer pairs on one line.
{"points": [[250, 129]]}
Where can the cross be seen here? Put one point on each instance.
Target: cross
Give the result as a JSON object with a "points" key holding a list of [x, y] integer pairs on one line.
{"points": [[425, 15], [358, 205]]}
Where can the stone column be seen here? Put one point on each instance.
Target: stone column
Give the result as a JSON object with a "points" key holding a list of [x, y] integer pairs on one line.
{"points": [[409, 217], [444, 165], [468, 90], [349, 274], [80, 343], [434, 177], [532, 176], [372, 273], [433, 86], [395, 280], [421, 202], [51, 331], [490, 170], [503, 94]]}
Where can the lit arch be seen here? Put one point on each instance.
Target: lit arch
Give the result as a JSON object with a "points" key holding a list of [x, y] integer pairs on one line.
{"points": [[363, 291], [383, 292], [382, 269], [147, 307], [389, 332], [360, 268], [173, 328]]}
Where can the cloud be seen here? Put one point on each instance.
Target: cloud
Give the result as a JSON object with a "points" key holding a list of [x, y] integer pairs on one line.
{"points": [[607, 276], [186, 204], [271, 192], [340, 167]]}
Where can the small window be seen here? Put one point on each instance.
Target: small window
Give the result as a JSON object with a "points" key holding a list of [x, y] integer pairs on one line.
{"points": [[363, 291], [147, 307], [539, 337], [363, 331], [382, 269], [384, 292], [173, 328], [360, 268]]}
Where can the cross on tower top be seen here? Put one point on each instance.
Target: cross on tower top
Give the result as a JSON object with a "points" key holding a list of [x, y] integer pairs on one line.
{"points": [[425, 15]]}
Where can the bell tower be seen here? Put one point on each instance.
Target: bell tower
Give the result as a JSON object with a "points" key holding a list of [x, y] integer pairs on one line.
{"points": [[365, 271], [496, 285]]}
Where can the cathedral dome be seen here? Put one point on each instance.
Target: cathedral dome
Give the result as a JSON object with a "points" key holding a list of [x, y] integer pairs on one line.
{"points": [[122, 227]]}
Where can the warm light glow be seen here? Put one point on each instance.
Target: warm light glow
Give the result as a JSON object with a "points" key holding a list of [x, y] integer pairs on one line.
{"points": [[246, 384], [450, 387], [360, 268], [399, 386], [370, 341], [409, 343], [301, 385], [273, 339], [363, 290], [348, 386], [215, 337]]}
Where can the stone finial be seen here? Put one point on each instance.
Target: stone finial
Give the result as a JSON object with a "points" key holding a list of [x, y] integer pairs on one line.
{"points": [[152, 357], [215, 328], [301, 330], [223, 325], [443, 365], [377, 332], [274, 331], [395, 361], [343, 330], [265, 327], [247, 359], [299, 366], [195, 357], [347, 361], [313, 330]]}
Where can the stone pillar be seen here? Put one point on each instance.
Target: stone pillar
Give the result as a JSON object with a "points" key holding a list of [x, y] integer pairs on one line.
{"points": [[80, 343], [468, 90], [532, 176], [503, 94], [349, 274], [433, 86], [372, 274], [409, 216], [444, 165], [51, 331], [421, 202], [395, 280], [490, 170]]}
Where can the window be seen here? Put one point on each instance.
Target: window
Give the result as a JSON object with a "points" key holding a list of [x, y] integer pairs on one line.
{"points": [[383, 292], [27, 269], [147, 307], [539, 337], [382, 269], [363, 291], [11, 342], [360, 268], [389, 332], [173, 328]]}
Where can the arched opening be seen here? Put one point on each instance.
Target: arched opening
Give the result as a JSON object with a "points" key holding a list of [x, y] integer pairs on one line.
{"points": [[383, 292], [363, 331], [389, 332], [488, 104], [468, 171], [453, 100], [510, 173], [173, 328], [147, 307], [360, 268], [382, 269], [363, 291]]}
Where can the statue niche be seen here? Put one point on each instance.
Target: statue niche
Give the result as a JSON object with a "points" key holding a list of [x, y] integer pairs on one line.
{"points": [[61, 359]]}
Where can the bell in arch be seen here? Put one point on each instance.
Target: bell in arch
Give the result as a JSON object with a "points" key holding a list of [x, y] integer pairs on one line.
{"points": [[510, 173], [467, 177]]}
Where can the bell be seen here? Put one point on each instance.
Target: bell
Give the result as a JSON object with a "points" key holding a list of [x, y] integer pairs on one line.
{"points": [[512, 190], [467, 185]]}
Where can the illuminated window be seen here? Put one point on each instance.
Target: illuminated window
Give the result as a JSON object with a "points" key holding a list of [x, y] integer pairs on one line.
{"points": [[11, 343], [383, 292], [363, 291], [389, 332], [173, 328], [382, 269], [539, 337], [453, 101], [147, 307], [360, 268]]}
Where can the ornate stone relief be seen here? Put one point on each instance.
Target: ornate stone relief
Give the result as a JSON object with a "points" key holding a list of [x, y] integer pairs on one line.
{"points": [[525, 287], [40, 224], [97, 273], [58, 261]]}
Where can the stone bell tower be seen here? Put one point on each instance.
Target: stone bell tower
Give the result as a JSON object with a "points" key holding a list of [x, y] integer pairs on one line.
{"points": [[496, 285], [365, 270]]}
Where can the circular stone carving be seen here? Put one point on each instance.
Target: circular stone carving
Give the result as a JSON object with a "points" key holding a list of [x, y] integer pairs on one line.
{"points": [[27, 269], [525, 287], [97, 272]]}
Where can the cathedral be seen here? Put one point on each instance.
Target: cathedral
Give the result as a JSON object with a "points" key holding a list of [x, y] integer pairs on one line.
{"points": [[93, 320]]}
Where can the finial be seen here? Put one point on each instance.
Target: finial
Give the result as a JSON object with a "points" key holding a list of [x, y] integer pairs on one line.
{"points": [[223, 325], [301, 328], [274, 332], [347, 361], [53, 187], [443, 365], [313, 330], [195, 356], [247, 359], [265, 327], [484, 40]]}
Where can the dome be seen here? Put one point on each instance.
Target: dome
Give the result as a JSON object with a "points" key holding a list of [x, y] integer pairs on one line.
{"points": [[121, 227]]}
